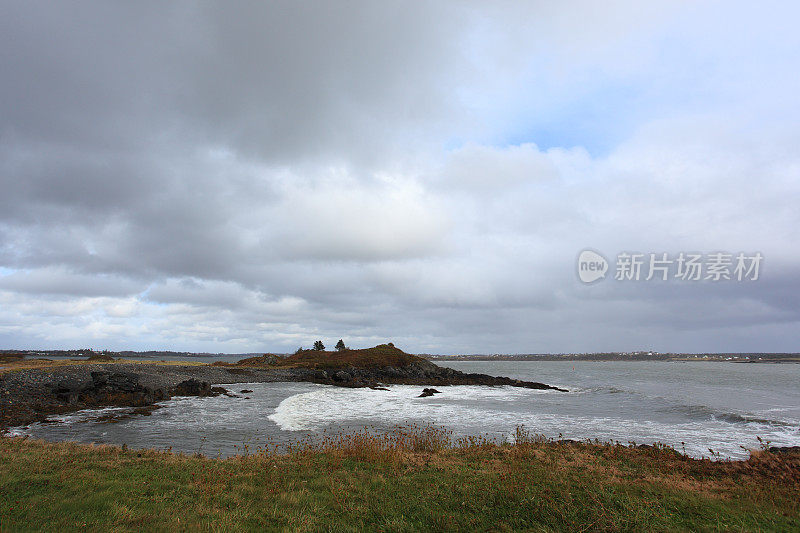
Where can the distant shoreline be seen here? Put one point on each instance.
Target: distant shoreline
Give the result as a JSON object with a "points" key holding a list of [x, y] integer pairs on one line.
{"points": [[724, 357], [590, 358]]}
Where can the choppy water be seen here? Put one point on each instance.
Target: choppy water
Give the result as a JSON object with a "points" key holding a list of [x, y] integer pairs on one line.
{"points": [[691, 406]]}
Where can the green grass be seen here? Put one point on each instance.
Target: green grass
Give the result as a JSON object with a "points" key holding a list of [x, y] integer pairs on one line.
{"points": [[407, 481]]}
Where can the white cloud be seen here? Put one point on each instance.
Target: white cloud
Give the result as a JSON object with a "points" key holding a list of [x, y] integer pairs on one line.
{"points": [[343, 219], [489, 168]]}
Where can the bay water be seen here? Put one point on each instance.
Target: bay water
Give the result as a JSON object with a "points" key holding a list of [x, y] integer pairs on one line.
{"points": [[704, 409]]}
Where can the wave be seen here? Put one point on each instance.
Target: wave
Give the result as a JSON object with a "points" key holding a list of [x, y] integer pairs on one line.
{"points": [[702, 412], [601, 389], [497, 411], [332, 405], [698, 412]]}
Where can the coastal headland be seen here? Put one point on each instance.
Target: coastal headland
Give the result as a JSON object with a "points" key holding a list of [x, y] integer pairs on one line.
{"points": [[33, 390]]}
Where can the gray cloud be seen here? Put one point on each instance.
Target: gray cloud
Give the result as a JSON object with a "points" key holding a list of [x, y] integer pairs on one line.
{"points": [[255, 176], [50, 281], [280, 81]]}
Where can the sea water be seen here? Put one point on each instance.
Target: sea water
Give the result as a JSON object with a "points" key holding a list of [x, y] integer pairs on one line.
{"points": [[695, 407]]}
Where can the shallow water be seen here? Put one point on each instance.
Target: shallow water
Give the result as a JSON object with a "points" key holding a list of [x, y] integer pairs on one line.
{"points": [[691, 406]]}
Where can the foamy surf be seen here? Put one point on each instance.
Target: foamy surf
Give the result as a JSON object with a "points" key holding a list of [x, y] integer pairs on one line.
{"points": [[497, 411], [399, 405]]}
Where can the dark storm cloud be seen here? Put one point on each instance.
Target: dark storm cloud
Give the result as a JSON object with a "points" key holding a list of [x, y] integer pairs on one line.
{"points": [[111, 111], [278, 80]]}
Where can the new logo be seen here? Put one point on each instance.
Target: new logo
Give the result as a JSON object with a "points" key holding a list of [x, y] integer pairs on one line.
{"points": [[591, 266]]}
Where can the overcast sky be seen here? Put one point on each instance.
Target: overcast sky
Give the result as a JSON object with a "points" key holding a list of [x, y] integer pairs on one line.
{"points": [[254, 177]]}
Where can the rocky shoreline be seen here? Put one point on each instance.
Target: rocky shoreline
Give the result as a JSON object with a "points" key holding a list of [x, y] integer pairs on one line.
{"points": [[418, 373], [31, 395]]}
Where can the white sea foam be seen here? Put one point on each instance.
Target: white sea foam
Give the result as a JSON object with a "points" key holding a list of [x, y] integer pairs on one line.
{"points": [[86, 415], [497, 411], [401, 404], [456, 406]]}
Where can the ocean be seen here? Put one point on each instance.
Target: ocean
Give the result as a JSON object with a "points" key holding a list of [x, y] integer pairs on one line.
{"points": [[717, 410]]}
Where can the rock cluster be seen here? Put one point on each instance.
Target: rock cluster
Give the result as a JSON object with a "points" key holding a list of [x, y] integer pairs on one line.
{"points": [[124, 389], [108, 388], [418, 373], [195, 387]]}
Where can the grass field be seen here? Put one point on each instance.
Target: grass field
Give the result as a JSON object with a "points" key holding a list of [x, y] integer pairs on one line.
{"points": [[410, 480]]}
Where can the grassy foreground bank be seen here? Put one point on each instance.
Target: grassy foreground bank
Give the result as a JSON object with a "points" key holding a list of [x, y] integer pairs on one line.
{"points": [[410, 480]]}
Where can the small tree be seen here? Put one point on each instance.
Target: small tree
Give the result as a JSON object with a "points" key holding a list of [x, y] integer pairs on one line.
{"points": [[319, 346], [340, 346]]}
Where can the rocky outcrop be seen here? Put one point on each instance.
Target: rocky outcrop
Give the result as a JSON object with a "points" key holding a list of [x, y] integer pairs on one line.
{"points": [[192, 387], [195, 387], [261, 360], [124, 389], [371, 367], [428, 392], [418, 373], [108, 388]]}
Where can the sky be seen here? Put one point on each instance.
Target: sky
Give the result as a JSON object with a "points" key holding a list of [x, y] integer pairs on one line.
{"points": [[252, 176]]}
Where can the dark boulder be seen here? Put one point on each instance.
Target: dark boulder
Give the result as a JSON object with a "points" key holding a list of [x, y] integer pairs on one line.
{"points": [[195, 387], [192, 387], [68, 391], [428, 392], [342, 376]]}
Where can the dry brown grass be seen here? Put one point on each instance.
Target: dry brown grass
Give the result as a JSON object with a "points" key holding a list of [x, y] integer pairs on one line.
{"points": [[35, 364], [378, 356]]}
